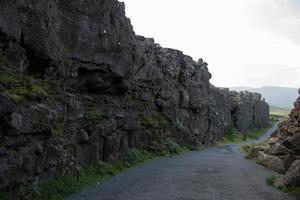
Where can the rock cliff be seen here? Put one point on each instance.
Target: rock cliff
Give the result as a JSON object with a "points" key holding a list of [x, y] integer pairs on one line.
{"points": [[283, 152], [77, 85], [248, 111]]}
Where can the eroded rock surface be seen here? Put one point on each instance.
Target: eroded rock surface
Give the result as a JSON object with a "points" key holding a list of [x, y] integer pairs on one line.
{"points": [[284, 147], [99, 90]]}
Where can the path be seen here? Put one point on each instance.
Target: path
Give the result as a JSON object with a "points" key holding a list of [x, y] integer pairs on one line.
{"points": [[216, 173]]}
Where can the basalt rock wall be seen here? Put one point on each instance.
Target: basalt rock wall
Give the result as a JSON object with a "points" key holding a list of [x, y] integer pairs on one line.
{"points": [[248, 111], [78, 86]]}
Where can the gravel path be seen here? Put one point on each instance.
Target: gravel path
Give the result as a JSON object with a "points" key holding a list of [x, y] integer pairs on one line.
{"points": [[217, 173]]}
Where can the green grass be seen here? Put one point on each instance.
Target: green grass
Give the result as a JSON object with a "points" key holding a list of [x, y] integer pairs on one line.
{"points": [[134, 156], [95, 115], [19, 88], [277, 111], [172, 146], [155, 120], [60, 188], [231, 135], [270, 181], [246, 148]]}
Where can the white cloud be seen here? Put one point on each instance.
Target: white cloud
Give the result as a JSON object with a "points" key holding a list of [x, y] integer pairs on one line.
{"points": [[245, 42]]}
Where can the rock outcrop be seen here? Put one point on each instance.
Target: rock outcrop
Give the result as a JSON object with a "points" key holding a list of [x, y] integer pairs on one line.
{"points": [[284, 149], [248, 111], [77, 86]]}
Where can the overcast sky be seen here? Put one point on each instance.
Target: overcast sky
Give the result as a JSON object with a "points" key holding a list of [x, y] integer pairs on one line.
{"points": [[245, 42]]}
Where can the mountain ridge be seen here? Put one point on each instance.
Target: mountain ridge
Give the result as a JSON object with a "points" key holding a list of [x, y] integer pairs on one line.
{"points": [[275, 95]]}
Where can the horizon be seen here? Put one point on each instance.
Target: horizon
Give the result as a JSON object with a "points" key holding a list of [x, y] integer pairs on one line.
{"points": [[246, 86], [252, 43]]}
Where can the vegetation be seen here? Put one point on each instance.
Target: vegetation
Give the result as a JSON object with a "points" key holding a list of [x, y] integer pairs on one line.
{"points": [[271, 180], [134, 156], [246, 148], [19, 88], [156, 120], [231, 135], [172, 146], [58, 128], [60, 188], [181, 127], [284, 188], [95, 114], [277, 111]]}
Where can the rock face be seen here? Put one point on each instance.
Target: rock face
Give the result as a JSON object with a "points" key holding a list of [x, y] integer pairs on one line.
{"points": [[78, 86], [284, 147], [248, 111]]}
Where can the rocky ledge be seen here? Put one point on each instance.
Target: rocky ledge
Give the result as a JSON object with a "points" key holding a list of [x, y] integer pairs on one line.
{"points": [[282, 153], [78, 86]]}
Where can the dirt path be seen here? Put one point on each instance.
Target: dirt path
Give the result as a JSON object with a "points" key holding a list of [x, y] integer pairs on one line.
{"points": [[217, 173]]}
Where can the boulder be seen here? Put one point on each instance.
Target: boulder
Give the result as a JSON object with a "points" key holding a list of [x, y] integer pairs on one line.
{"points": [[254, 151], [278, 149], [271, 162], [292, 177]]}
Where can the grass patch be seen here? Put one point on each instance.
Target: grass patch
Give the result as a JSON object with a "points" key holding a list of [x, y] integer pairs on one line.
{"points": [[172, 146], [231, 135], [19, 88], [156, 120], [60, 188], [289, 189], [278, 111], [270, 181], [95, 115], [246, 148], [134, 156]]}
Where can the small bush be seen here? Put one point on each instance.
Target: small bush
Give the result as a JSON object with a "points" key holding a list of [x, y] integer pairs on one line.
{"points": [[271, 180], [133, 156], [172, 146]]}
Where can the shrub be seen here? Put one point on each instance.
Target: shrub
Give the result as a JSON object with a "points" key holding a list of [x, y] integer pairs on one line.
{"points": [[133, 156], [271, 180], [172, 146], [179, 125]]}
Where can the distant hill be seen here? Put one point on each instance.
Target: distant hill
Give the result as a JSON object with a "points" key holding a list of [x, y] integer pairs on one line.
{"points": [[283, 97], [279, 111]]}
